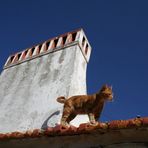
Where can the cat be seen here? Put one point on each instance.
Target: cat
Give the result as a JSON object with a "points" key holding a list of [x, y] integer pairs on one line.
{"points": [[91, 105]]}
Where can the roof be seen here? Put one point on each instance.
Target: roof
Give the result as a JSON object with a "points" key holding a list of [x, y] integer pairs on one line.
{"points": [[84, 128]]}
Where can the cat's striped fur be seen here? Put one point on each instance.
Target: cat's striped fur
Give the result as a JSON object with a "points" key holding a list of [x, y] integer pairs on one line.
{"points": [[85, 104]]}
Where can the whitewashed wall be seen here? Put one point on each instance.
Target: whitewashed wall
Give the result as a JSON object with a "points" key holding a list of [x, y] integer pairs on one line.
{"points": [[28, 91]]}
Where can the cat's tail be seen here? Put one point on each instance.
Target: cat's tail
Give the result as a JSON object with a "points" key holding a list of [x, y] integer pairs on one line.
{"points": [[61, 99]]}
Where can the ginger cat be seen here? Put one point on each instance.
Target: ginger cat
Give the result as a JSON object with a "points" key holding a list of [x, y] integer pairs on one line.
{"points": [[85, 104]]}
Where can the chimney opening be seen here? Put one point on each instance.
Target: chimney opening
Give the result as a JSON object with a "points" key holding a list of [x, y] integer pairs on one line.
{"points": [[64, 40], [47, 44], [19, 55], [56, 42], [83, 41], [11, 59], [40, 46], [86, 49], [32, 50], [74, 36]]}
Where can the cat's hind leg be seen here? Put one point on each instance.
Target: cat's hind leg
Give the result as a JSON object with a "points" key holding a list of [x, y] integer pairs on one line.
{"points": [[66, 117]]}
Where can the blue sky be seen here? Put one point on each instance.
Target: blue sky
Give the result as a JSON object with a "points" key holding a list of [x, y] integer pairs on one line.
{"points": [[117, 31]]}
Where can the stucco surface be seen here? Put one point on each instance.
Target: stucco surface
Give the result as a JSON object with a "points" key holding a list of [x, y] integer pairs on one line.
{"points": [[29, 90]]}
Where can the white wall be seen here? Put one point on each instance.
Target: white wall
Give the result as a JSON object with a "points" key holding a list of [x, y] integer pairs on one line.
{"points": [[29, 90]]}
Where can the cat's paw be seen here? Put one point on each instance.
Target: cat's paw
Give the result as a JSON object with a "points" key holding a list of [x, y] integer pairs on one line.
{"points": [[65, 125], [94, 123]]}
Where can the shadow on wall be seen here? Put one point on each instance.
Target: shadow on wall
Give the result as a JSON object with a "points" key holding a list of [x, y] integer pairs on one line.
{"points": [[45, 124]]}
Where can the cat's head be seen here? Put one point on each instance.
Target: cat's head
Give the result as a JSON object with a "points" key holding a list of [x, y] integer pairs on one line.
{"points": [[107, 93]]}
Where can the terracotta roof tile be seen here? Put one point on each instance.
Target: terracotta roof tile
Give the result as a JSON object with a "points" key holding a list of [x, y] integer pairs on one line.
{"points": [[59, 129], [49, 131], [36, 133], [144, 121], [16, 135], [135, 122], [118, 124], [85, 128], [82, 129]]}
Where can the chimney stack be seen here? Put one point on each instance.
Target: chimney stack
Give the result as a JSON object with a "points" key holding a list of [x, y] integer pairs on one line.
{"points": [[32, 80]]}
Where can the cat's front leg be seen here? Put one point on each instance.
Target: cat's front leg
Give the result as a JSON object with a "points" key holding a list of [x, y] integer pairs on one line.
{"points": [[92, 119]]}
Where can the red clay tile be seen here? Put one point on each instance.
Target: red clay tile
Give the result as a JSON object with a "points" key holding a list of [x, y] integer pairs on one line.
{"points": [[102, 125], [134, 122], [8, 135], [117, 124], [59, 129], [144, 121], [86, 127], [16, 135], [83, 128], [49, 131], [36, 133], [3, 136], [71, 130], [28, 133]]}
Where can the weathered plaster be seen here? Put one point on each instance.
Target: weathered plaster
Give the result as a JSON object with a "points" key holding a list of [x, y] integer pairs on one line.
{"points": [[29, 90]]}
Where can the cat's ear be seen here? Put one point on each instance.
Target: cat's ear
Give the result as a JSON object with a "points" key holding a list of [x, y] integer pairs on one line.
{"points": [[104, 87]]}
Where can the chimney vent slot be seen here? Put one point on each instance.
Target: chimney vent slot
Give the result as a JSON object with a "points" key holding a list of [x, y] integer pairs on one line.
{"points": [[47, 44], [11, 59], [55, 42], [64, 39], [83, 42], [74, 36], [32, 50], [19, 55], [86, 49], [40, 46]]}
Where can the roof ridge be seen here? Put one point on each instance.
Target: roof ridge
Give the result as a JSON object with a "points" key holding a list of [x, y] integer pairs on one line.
{"points": [[84, 128]]}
